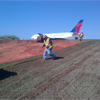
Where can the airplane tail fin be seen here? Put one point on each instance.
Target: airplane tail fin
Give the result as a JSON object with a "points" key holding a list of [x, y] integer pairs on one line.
{"points": [[77, 27]]}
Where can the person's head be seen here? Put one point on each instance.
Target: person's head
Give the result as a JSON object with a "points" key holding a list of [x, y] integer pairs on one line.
{"points": [[44, 37]]}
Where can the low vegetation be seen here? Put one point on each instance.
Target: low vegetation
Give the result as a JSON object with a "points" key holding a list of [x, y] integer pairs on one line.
{"points": [[10, 37]]}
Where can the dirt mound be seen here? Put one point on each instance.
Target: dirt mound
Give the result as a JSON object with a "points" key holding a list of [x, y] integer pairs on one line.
{"points": [[11, 50], [5, 40]]}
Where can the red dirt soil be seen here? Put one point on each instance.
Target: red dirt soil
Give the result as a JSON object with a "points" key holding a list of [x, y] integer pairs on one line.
{"points": [[11, 50]]}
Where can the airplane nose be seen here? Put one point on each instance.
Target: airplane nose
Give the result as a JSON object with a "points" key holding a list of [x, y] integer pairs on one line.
{"points": [[32, 37]]}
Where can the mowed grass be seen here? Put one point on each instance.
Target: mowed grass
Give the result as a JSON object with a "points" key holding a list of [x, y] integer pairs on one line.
{"points": [[19, 77]]}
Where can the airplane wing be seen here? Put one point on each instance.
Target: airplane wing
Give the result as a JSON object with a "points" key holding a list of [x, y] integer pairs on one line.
{"points": [[40, 34]]}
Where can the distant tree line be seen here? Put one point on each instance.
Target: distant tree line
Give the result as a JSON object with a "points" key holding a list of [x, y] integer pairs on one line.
{"points": [[10, 37]]}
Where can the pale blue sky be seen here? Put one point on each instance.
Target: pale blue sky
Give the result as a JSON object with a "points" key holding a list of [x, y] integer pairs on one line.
{"points": [[25, 18]]}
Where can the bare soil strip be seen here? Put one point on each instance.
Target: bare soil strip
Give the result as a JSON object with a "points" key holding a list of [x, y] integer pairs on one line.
{"points": [[11, 50]]}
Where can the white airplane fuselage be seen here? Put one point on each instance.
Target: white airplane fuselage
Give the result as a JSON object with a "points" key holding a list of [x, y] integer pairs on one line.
{"points": [[64, 35]]}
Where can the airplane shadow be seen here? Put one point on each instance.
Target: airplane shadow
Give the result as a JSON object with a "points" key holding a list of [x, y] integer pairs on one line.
{"points": [[57, 58], [5, 74]]}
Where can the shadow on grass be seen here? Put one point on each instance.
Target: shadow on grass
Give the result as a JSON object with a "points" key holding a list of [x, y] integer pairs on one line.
{"points": [[5, 74], [57, 58]]}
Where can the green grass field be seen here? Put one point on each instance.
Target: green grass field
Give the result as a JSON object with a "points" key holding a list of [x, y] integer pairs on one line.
{"points": [[73, 75]]}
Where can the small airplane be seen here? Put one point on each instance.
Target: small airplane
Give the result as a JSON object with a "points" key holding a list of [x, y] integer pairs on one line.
{"points": [[60, 36]]}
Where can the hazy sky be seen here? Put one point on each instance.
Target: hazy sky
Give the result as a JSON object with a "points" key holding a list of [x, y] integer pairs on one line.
{"points": [[24, 18]]}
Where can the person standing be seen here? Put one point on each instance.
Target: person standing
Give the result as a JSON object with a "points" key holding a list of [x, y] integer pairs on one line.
{"points": [[81, 36], [49, 46]]}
